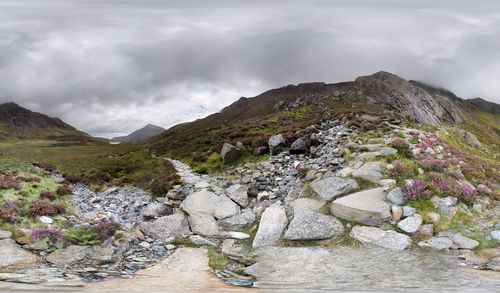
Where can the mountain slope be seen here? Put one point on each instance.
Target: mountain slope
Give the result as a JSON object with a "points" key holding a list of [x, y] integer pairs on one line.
{"points": [[141, 134], [17, 122], [294, 107]]}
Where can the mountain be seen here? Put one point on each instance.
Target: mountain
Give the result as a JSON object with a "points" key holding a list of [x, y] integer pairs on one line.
{"points": [[485, 106], [294, 107], [17, 122], [142, 134]]}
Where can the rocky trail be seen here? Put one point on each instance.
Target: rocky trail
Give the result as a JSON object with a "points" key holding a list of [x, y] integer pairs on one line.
{"points": [[324, 213]]}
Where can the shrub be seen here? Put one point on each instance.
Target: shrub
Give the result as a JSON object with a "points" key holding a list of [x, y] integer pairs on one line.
{"points": [[106, 229], [83, 236], [45, 208], [73, 178], [467, 193], [9, 213], [160, 186], [54, 235], [402, 147], [441, 183], [433, 164], [45, 166], [416, 189], [47, 195], [8, 181], [63, 190]]}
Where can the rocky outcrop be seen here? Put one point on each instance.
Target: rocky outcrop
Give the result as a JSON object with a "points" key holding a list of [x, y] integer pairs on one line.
{"points": [[367, 207], [276, 143], [13, 257], [309, 223]]}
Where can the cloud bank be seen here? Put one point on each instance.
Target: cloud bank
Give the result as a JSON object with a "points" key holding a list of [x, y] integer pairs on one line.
{"points": [[109, 67]]}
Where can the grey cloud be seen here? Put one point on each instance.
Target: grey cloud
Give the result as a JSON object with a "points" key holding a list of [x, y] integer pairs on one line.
{"points": [[112, 66]]}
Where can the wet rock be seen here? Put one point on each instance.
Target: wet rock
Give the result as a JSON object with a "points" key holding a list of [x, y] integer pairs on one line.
{"points": [[68, 256], [410, 224], [332, 187], [367, 207], [276, 143], [376, 236], [230, 153], [309, 223], [164, 227], [239, 194], [396, 196], [271, 226], [13, 257]]}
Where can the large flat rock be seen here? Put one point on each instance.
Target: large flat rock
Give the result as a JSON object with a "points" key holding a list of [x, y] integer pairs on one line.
{"points": [[365, 268], [376, 236], [332, 187], [13, 257], [309, 223], [210, 203], [367, 207], [69, 255], [370, 171]]}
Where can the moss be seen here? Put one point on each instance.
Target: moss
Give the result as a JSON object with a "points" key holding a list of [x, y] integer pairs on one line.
{"points": [[216, 260], [183, 242]]}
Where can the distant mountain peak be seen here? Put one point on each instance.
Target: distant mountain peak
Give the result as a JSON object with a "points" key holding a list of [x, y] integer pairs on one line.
{"points": [[141, 134]]}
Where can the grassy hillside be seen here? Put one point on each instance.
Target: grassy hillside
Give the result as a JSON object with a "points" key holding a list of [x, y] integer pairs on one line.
{"points": [[95, 164]]}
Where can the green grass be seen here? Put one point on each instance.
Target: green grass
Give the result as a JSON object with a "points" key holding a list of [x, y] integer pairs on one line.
{"points": [[97, 164], [216, 260]]}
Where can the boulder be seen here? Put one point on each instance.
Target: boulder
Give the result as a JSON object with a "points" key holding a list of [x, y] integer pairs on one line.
{"points": [[309, 223], [439, 243], [410, 224], [367, 207], [459, 240], [300, 146], [271, 226], [386, 151], [198, 240], [242, 220], [376, 236], [203, 224], [369, 171], [396, 196], [229, 153], [210, 203], [168, 226], [239, 194], [156, 209], [68, 256], [276, 143], [13, 257], [331, 187]]}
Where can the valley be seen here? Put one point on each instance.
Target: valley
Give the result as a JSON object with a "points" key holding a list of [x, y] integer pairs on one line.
{"points": [[314, 186]]}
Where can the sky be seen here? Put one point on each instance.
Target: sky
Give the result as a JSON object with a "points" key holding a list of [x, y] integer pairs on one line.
{"points": [[109, 67]]}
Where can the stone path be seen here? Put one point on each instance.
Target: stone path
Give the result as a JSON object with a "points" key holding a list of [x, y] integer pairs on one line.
{"points": [[185, 172], [185, 270]]}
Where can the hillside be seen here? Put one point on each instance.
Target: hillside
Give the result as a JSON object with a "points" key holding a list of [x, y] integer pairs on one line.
{"points": [[141, 134], [294, 107], [18, 123]]}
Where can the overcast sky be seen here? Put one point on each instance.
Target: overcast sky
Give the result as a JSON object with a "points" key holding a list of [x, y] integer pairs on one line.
{"points": [[111, 66]]}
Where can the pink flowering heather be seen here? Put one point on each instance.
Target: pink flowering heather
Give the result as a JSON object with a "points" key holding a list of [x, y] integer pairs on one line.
{"points": [[9, 213], [468, 193], [53, 234], [416, 189], [441, 183], [48, 195], [434, 164]]}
